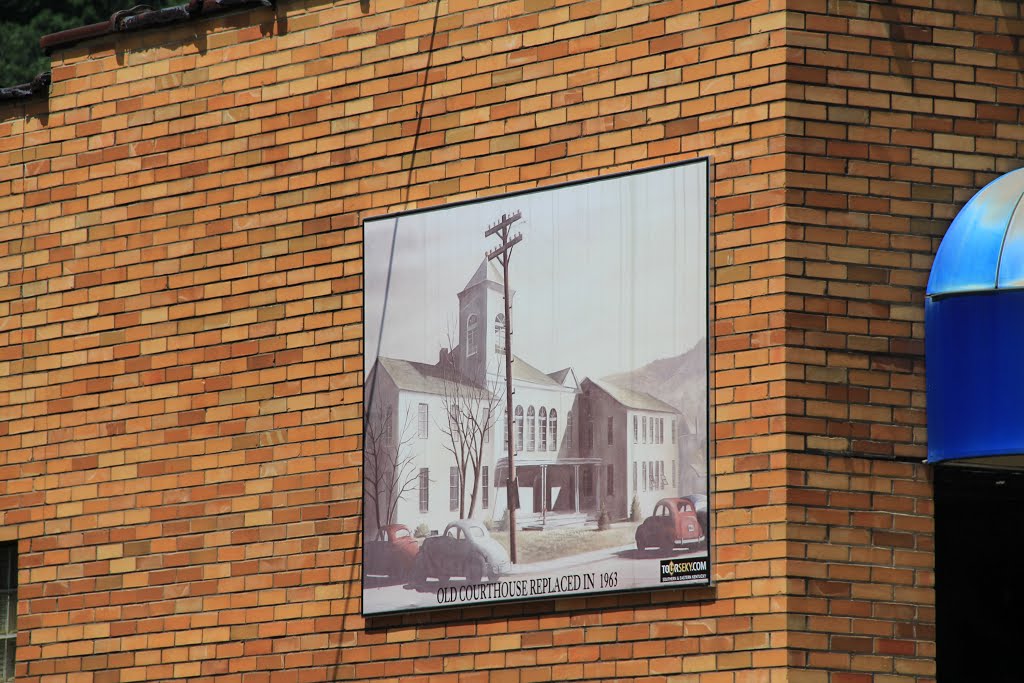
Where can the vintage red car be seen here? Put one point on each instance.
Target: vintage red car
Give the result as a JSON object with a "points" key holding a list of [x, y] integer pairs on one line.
{"points": [[391, 553], [674, 522]]}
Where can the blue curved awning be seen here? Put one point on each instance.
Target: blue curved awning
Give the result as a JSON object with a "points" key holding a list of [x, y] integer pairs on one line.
{"points": [[983, 249], [974, 332]]}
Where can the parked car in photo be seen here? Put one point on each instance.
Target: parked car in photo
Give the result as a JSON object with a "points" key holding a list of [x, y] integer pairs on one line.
{"points": [[391, 553], [674, 522], [700, 504], [465, 549]]}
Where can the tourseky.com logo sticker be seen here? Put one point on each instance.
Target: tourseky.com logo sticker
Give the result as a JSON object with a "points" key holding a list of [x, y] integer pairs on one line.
{"points": [[684, 571]]}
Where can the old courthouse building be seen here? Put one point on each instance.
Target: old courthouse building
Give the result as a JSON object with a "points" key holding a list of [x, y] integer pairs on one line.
{"points": [[563, 468], [180, 329]]}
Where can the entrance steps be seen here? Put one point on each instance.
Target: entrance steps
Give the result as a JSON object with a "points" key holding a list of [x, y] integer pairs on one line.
{"points": [[557, 520]]}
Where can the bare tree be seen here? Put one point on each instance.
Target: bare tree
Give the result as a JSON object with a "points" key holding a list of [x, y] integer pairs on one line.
{"points": [[389, 467], [470, 413], [485, 415]]}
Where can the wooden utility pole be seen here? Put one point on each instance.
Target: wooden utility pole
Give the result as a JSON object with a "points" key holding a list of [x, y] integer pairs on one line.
{"points": [[503, 253]]}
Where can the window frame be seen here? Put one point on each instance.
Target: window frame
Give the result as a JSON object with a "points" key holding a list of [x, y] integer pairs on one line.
{"points": [[519, 423], [423, 420], [453, 489], [424, 489], [531, 429], [486, 497], [9, 586], [472, 345], [499, 334]]}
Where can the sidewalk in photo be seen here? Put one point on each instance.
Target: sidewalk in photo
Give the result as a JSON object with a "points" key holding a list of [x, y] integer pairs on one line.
{"points": [[571, 561]]}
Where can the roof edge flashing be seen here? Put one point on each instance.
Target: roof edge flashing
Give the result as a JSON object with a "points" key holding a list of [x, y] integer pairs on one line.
{"points": [[37, 87], [136, 19]]}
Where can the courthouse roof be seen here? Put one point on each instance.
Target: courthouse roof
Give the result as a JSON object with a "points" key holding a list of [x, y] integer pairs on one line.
{"points": [[638, 400], [421, 377], [486, 272], [430, 379]]}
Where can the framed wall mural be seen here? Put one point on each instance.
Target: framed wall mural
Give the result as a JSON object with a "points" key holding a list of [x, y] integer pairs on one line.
{"points": [[536, 394]]}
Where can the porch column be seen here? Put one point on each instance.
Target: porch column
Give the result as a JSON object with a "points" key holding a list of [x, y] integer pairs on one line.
{"points": [[544, 492], [576, 488]]}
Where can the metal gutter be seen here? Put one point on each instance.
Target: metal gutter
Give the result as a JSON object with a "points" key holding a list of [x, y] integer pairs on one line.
{"points": [[142, 17], [38, 87]]}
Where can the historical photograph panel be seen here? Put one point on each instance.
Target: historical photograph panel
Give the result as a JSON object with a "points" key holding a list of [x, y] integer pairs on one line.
{"points": [[536, 394]]}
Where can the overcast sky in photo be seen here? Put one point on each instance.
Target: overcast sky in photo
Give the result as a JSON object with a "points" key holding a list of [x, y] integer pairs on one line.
{"points": [[611, 274]]}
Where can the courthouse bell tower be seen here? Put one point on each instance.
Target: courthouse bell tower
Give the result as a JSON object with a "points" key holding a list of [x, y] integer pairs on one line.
{"points": [[481, 350]]}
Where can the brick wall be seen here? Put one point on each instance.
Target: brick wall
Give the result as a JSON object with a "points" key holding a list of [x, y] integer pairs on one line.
{"points": [[181, 338], [902, 112]]}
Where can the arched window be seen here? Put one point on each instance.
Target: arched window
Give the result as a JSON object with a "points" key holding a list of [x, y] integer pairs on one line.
{"points": [[499, 333], [543, 430], [531, 429], [568, 430], [553, 428], [471, 336], [519, 428]]}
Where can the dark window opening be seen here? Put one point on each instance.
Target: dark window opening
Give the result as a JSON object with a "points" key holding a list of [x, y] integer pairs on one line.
{"points": [[978, 600], [8, 608]]}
